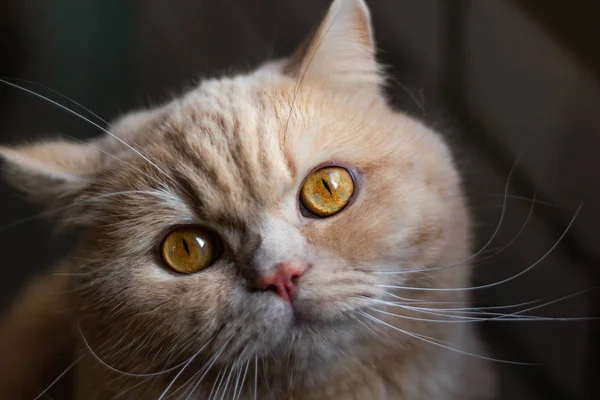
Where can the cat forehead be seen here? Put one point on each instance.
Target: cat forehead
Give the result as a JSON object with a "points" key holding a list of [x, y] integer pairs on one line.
{"points": [[220, 147], [241, 90]]}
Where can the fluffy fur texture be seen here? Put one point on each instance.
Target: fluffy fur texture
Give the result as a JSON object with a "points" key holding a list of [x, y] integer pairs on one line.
{"points": [[232, 155]]}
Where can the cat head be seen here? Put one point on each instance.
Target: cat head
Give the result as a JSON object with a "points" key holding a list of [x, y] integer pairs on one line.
{"points": [[256, 214]]}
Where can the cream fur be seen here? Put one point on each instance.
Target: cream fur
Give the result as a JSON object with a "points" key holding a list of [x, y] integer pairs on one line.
{"points": [[231, 155]]}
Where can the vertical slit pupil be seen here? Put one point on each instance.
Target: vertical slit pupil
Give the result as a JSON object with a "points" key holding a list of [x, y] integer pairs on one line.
{"points": [[185, 246], [326, 185]]}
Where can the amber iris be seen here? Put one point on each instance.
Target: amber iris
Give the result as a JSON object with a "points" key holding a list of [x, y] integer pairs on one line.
{"points": [[188, 250], [327, 191]]}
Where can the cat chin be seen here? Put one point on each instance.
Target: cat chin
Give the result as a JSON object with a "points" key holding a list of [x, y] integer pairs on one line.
{"points": [[303, 346], [286, 329]]}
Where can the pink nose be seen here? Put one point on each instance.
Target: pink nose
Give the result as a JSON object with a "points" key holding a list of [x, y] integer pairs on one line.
{"points": [[284, 279]]}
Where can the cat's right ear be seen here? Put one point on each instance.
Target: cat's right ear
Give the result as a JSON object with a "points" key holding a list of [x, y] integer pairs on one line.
{"points": [[52, 172], [341, 52]]}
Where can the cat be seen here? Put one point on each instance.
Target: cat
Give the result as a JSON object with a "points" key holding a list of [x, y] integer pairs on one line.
{"points": [[278, 234]]}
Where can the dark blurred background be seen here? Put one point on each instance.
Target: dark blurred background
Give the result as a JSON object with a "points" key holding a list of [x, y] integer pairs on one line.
{"points": [[511, 83]]}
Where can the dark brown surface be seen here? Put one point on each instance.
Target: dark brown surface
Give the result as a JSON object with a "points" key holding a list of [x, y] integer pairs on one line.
{"points": [[574, 23]]}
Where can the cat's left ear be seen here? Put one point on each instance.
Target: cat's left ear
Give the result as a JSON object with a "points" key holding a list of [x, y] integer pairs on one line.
{"points": [[50, 172], [341, 53]]}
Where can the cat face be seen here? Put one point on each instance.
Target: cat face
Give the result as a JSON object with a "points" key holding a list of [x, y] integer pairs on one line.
{"points": [[228, 162]]}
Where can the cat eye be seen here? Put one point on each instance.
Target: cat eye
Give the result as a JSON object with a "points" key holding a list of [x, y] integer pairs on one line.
{"points": [[189, 249], [327, 191]]}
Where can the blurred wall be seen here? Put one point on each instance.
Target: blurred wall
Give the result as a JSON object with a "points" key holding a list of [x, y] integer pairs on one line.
{"points": [[506, 92]]}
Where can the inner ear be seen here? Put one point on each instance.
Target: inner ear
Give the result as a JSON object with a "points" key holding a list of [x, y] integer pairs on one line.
{"points": [[341, 51], [50, 171], [58, 159]]}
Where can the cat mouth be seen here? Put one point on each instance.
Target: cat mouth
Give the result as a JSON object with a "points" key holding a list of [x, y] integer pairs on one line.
{"points": [[299, 315], [300, 319], [304, 317]]}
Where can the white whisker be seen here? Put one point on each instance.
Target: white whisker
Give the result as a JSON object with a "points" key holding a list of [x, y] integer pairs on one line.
{"points": [[131, 388], [431, 341], [214, 359], [519, 232], [160, 194], [64, 97], [500, 220], [512, 317], [57, 104], [484, 248], [542, 258], [255, 375], [231, 369], [243, 380], [87, 345], [58, 378], [238, 375], [215, 388], [182, 370]]}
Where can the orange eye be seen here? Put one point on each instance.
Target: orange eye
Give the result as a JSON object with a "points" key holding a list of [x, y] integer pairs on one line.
{"points": [[327, 191], [188, 250]]}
